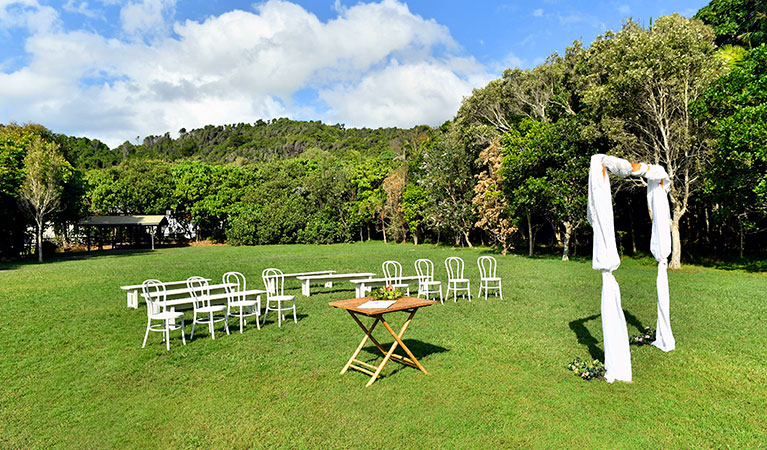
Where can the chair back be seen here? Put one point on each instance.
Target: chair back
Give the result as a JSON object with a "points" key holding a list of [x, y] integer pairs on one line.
{"points": [[392, 272], [238, 285], [274, 282], [454, 266], [424, 268], [154, 293], [487, 266], [200, 291]]}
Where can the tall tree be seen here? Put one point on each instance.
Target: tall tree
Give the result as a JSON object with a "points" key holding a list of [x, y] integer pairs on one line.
{"points": [[736, 106], [642, 82], [449, 185], [736, 22], [45, 173], [492, 205]]}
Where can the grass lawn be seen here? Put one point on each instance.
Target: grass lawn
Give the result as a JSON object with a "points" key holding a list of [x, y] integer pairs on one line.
{"points": [[74, 374]]}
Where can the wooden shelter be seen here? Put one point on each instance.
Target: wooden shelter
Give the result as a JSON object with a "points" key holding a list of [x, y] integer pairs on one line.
{"points": [[132, 224]]}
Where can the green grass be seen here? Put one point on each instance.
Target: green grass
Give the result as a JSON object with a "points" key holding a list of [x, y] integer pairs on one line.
{"points": [[74, 374]]}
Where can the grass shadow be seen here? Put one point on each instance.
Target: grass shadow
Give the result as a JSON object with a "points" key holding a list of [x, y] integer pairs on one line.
{"points": [[419, 348], [288, 318], [585, 338]]}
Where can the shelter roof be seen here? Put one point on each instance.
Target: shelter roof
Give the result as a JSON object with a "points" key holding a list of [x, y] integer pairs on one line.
{"points": [[117, 221]]}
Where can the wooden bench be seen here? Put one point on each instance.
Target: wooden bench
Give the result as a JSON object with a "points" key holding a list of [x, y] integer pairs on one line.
{"points": [[302, 274], [134, 289], [363, 286], [183, 295], [306, 280]]}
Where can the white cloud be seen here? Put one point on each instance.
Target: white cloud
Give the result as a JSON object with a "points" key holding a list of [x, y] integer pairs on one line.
{"points": [[146, 18], [375, 64], [400, 95], [624, 9], [538, 12], [81, 7]]}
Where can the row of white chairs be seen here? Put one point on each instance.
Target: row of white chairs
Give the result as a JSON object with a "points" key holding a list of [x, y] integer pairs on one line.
{"points": [[207, 313], [456, 282]]}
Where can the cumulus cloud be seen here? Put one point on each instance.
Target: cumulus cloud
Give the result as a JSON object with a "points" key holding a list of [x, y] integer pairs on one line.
{"points": [[375, 64]]}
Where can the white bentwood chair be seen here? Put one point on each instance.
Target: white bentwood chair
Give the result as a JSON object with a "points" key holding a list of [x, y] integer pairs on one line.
{"points": [[237, 305], [455, 280], [155, 295], [204, 311], [487, 276], [424, 268], [276, 300], [393, 273]]}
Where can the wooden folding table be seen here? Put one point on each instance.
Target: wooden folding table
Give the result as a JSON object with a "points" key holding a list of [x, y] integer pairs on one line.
{"points": [[406, 304]]}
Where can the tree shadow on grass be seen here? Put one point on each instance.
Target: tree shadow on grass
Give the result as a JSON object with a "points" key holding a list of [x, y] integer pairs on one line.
{"points": [[271, 319], [585, 338], [419, 348]]}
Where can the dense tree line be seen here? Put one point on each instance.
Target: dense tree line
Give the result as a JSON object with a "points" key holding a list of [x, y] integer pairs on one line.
{"points": [[509, 170]]}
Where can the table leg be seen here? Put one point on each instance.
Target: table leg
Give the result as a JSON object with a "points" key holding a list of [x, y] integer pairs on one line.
{"points": [[362, 344], [388, 354], [398, 339]]}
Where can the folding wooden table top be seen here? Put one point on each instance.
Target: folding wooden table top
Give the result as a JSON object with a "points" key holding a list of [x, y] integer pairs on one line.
{"points": [[407, 304]]}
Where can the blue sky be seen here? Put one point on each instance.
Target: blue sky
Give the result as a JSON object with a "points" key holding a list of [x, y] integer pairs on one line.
{"points": [[117, 70]]}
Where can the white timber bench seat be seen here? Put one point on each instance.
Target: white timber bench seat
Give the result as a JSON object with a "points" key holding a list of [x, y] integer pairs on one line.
{"points": [[295, 275], [184, 297], [134, 289], [363, 286], [306, 280]]}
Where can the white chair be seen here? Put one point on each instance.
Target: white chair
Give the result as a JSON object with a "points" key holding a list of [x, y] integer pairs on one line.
{"points": [[424, 268], [393, 273], [455, 280], [204, 312], [154, 293], [276, 300], [236, 303], [487, 276]]}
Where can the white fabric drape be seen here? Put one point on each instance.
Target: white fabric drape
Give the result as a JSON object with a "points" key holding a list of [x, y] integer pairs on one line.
{"points": [[658, 185], [605, 258]]}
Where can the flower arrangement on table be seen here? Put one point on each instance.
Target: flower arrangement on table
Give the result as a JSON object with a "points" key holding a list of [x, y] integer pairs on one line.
{"points": [[385, 293], [585, 370], [645, 338]]}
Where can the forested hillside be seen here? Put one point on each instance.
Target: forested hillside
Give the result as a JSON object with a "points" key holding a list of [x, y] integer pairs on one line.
{"points": [[510, 169]]}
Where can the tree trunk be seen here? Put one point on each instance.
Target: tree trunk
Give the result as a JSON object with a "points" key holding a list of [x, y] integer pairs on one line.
{"points": [[383, 229], [676, 242], [415, 238], [566, 241], [633, 229], [742, 237], [39, 239], [466, 237], [530, 234]]}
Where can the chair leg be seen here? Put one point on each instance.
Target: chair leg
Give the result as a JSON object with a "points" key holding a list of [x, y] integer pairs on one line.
{"points": [[194, 322], [183, 339], [295, 319], [226, 323], [146, 335], [468, 290], [279, 314], [167, 334], [242, 317], [211, 328]]}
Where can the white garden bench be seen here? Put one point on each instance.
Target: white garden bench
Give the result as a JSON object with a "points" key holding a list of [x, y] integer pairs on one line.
{"points": [[363, 286], [186, 299], [134, 289], [306, 280], [295, 275]]}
